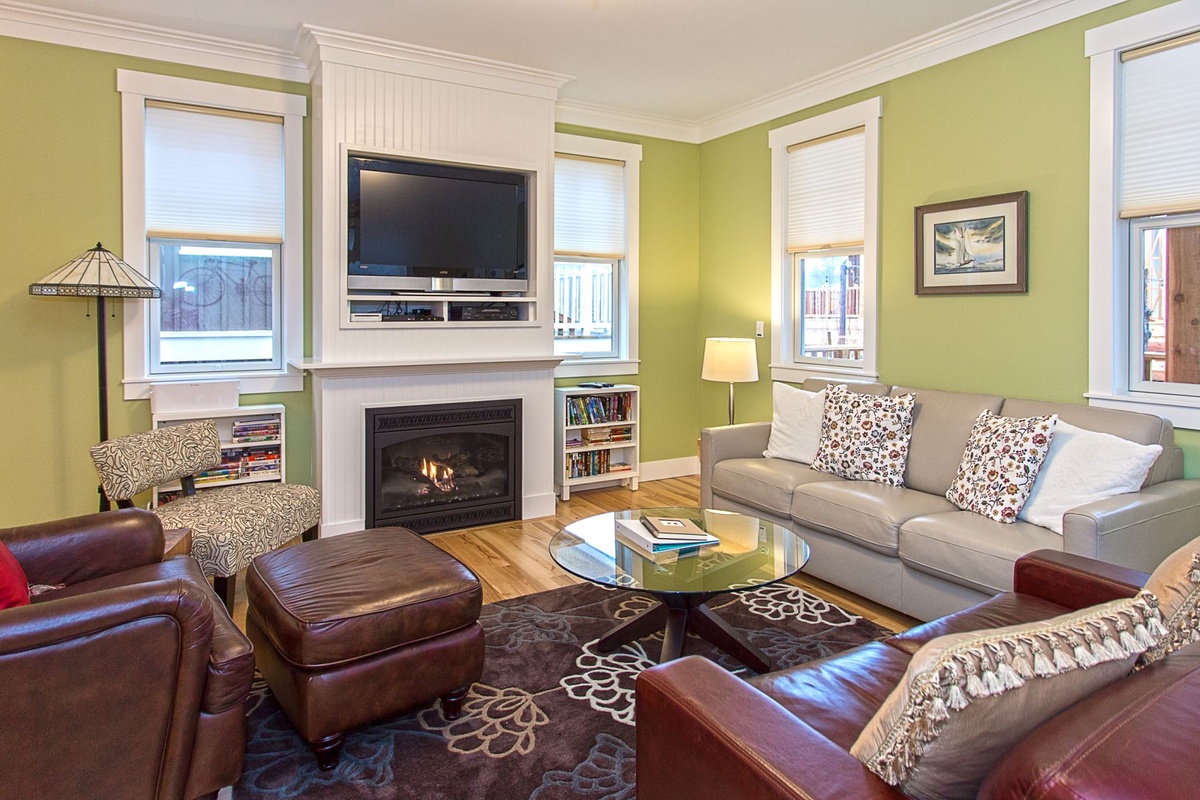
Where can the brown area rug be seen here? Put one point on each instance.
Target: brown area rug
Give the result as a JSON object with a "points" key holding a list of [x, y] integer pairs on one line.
{"points": [[551, 719]]}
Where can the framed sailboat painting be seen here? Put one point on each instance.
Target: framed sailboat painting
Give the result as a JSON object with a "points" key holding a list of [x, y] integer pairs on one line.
{"points": [[974, 246]]}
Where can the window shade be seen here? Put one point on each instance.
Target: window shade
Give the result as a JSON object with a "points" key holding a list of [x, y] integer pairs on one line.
{"points": [[826, 192], [213, 175], [1160, 157], [589, 207]]}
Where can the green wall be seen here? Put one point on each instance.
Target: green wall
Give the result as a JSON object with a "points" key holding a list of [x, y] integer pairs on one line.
{"points": [[60, 150], [1012, 117], [668, 291]]}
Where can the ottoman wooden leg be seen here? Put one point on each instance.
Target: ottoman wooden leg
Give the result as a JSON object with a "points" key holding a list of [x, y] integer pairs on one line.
{"points": [[452, 703], [328, 751]]}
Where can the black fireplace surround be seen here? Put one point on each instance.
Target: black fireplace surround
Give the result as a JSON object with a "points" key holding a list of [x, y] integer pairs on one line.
{"points": [[443, 466]]}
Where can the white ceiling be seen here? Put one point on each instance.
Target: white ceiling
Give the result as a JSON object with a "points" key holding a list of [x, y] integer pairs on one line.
{"points": [[681, 60]]}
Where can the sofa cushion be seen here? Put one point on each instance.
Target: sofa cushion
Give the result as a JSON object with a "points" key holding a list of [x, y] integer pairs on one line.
{"points": [[839, 694], [14, 586], [1000, 463], [1130, 739], [864, 437], [1140, 428], [795, 423], [1082, 467], [942, 422], [764, 483], [1006, 608], [967, 699], [864, 512], [1176, 584], [971, 550]]}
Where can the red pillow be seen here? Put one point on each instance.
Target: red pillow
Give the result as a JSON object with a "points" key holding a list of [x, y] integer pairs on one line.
{"points": [[14, 587]]}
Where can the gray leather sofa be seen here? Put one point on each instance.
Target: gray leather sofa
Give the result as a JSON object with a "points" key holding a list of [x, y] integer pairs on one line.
{"points": [[908, 547]]}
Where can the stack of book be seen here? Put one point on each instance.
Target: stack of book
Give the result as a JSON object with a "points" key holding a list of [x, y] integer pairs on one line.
{"points": [[659, 537], [246, 431]]}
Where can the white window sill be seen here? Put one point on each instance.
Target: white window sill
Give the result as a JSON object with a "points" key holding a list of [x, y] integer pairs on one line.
{"points": [[586, 368], [796, 373], [1183, 411], [248, 382]]}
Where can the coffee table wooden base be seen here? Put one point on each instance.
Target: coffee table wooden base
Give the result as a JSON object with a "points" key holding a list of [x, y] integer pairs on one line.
{"points": [[677, 616]]}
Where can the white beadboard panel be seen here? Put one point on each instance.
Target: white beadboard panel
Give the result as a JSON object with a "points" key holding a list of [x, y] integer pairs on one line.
{"points": [[339, 407], [358, 109]]}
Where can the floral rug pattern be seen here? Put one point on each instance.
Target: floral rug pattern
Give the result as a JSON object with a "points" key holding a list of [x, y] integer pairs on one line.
{"points": [[552, 717]]}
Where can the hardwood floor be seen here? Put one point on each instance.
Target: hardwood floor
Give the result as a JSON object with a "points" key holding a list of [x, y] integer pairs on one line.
{"points": [[512, 558]]}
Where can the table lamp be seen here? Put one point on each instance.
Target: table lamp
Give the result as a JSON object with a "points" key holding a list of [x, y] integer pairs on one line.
{"points": [[731, 360]]}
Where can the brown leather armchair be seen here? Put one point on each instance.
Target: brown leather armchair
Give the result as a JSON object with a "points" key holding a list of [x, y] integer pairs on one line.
{"points": [[131, 680], [705, 734]]}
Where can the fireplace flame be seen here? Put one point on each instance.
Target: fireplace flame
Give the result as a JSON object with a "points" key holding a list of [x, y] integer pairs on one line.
{"points": [[439, 475]]}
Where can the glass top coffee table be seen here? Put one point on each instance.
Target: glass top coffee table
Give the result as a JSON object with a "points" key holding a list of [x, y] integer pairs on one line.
{"points": [[751, 553]]}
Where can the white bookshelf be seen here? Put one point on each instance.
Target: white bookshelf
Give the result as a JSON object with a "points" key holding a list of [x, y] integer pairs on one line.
{"points": [[259, 460], [595, 436]]}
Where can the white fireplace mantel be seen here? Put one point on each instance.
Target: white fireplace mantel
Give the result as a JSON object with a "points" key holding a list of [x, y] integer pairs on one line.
{"points": [[371, 369]]}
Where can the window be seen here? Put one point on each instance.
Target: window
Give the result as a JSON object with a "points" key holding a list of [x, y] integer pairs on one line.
{"points": [[1145, 215], [213, 191], [595, 255], [824, 212]]}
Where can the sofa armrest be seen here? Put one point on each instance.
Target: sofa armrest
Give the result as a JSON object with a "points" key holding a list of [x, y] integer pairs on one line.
{"points": [[112, 678], [1073, 581], [746, 440], [77, 549], [704, 734], [1135, 530]]}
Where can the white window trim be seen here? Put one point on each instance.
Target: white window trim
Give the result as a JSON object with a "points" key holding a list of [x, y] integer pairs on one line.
{"points": [[1108, 246], [631, 154], [135, 89], [785, 364]]}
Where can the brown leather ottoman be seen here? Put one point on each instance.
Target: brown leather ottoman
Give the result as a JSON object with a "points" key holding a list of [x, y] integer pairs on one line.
{"points": [[355, 628]]}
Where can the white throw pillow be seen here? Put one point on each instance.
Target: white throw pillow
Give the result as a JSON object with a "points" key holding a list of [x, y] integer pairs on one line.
{"points": [[1082, 467], [795, 423]]}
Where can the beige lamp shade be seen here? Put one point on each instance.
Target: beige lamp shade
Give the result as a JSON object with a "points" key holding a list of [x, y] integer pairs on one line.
{"points": [[730, 360]]}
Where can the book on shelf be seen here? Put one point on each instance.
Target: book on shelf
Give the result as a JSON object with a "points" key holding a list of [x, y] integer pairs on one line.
{"points": [[675, 528], [635, 529]]}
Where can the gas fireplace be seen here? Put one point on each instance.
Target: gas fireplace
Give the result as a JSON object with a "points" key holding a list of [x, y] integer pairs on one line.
{"points": [[449, 465]]}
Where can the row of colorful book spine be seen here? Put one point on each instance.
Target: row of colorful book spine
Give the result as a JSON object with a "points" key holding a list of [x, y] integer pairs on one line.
{"points": [[599, 408]]}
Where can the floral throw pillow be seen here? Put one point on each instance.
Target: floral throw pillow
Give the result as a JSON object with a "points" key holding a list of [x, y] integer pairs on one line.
{"points": [[1001, 461], [865, 437]]}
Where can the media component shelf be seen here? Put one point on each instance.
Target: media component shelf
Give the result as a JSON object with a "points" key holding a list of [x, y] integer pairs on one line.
{"points": [[251, 447], [595, 436]]}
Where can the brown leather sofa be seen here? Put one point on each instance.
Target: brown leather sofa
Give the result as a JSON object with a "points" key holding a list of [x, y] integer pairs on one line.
{"points": [[130, 681], [705, 733]]}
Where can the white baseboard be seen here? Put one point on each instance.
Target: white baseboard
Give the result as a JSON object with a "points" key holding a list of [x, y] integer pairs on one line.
{"points": [[669, 468]]}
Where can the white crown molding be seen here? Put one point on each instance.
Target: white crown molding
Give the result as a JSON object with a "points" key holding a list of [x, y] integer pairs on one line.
{"points": [[318, 45], [1010, 21], [72, 29], [571, 112]]}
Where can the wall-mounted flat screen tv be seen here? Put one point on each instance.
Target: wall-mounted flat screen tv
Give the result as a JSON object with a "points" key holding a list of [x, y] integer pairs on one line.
{"points": [[416, 226]]}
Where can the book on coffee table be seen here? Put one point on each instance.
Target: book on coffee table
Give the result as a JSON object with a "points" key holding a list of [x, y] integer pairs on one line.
{"points": [[675, 528], [637, 532]]}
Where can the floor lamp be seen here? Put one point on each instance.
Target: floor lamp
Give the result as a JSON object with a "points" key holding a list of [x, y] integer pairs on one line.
{"points": [[100, 274], [731, 360]]}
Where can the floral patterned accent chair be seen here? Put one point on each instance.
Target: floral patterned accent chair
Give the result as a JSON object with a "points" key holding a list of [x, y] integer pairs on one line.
{"points": [[230, 525]]}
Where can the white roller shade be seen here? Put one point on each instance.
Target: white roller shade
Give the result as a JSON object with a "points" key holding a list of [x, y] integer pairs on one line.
{"points": [[213, 175], [826, 186], [589, 207], [1160, 154]]}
